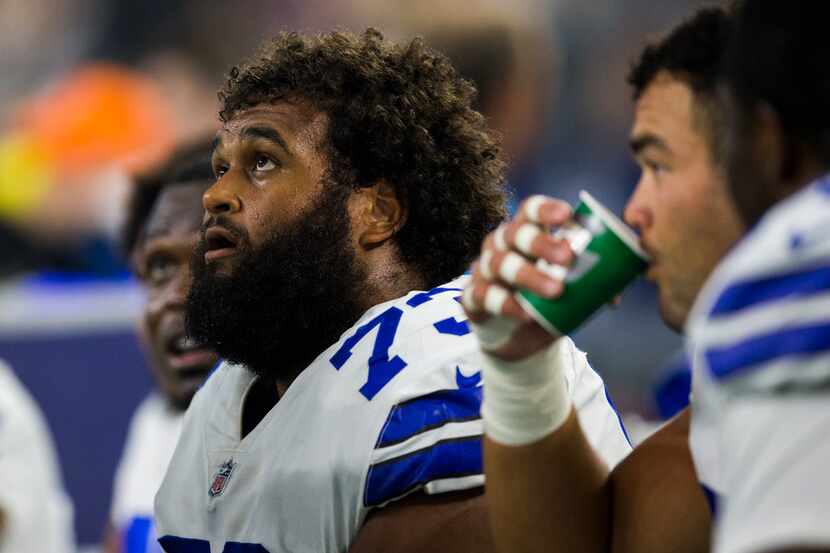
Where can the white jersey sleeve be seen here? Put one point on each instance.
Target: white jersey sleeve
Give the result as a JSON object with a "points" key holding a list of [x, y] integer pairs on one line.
{"points": [[433, 442], [390, 409], [151, 439], [36, 511], [760, 339]]}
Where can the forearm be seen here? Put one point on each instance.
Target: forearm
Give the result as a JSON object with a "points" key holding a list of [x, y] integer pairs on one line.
{"points": [[551, 495], [658, 504]]}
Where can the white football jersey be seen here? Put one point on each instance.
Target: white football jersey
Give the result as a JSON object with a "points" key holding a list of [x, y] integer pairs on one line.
{"points": [[37, 513], [154, 431], [390, 409], [760, 343]]}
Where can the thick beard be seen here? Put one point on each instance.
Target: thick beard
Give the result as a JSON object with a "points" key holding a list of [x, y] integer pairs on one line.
{"points": [[287, 300]]}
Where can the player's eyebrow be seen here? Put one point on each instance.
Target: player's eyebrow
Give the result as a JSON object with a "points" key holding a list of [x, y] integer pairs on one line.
{"points": [[266, 133], [647, 140], [643, 141]]}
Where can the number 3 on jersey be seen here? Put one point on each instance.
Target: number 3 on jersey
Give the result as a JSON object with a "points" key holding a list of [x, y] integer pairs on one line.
{"points": [[174, 544]]}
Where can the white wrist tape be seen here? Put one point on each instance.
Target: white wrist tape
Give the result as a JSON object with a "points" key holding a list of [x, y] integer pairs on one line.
{"points": [[526, 400], [494, 333]]}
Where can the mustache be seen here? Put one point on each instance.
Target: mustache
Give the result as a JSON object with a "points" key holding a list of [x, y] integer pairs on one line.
{"points": [[238, 232]]}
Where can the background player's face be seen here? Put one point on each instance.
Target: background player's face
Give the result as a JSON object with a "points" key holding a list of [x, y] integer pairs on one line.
{"points": [[681, 205], [162, 262]]}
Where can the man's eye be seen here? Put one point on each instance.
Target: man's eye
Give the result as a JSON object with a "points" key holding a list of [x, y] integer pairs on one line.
{"points": [[655, 168], [264, 163], [219, 170], [160, 269]]}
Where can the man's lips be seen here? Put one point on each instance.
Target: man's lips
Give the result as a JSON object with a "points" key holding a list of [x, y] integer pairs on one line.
{"points": [[186, 356], [193, 359], [220, 243], [651, 272]]}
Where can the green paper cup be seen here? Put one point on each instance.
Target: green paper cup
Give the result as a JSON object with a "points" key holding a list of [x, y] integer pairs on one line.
{"points": [[608, 258]]}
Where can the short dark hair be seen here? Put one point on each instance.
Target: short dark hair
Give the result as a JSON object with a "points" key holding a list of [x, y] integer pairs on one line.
{"points": [[693, 53], [779, 55], [189, 163], [399, 113]]}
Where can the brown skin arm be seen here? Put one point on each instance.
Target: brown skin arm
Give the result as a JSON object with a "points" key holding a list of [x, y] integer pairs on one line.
{"points": [[549, 495], [450, 523], [556, 493], [658, 503]]}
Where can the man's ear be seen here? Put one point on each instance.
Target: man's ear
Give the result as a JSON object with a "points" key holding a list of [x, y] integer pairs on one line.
{"points": [[379, 214], [772, 149], [784, 159]]}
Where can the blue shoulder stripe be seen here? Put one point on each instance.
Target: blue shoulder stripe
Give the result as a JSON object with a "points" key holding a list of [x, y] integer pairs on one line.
{"points": [[136, 536], [752, 292], [431, 411], [711, 499], [453, 458], [791, 341], [671, 394]]}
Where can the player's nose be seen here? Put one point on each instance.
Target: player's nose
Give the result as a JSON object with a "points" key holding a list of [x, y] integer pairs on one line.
{"points": [[221, 198], [637, 214]]}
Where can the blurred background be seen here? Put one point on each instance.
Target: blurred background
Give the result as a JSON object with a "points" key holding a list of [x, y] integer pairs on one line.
{"points": [[94, 91]]}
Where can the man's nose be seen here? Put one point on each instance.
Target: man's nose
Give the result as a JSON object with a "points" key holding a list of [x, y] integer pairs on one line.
{"points": [[221, 198]]}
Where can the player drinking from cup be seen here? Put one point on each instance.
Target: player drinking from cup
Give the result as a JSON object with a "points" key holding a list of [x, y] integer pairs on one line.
{"points": [[546, 488], [758, 328]]}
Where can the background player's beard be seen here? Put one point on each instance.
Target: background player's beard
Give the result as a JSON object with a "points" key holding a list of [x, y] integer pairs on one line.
{"points": [[287, 300]]}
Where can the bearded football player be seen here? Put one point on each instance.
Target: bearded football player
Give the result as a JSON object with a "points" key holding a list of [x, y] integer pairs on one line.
{"points": [[354, 184]]}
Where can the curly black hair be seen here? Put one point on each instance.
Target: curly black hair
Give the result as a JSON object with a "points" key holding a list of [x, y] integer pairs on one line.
{"points": [[693, 53], [399, 113], [189, 163]]}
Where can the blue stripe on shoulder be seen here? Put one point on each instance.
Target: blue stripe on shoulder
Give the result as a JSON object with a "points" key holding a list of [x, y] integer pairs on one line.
{"points": [[711, 499], [671, 394], [137, 535], [752, 292], [786, 342], [396, 477], [424, 413]]}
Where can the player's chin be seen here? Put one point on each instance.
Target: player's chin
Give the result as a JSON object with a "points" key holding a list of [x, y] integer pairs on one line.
{"points": [[223, 266], [671, 311], [185, 384]]}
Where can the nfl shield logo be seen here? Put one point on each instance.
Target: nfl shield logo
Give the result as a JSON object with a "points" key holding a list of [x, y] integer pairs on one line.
{"points": [[221, 478]]}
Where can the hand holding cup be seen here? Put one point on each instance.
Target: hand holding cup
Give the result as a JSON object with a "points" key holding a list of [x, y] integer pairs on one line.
{"points": [[542, 275], [507, 264]]}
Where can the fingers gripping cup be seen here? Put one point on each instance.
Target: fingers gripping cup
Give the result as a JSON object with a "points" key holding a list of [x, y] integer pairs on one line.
{"points": [[608, 258]]}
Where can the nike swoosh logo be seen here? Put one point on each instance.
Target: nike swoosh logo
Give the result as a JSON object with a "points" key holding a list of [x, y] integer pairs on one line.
{"points": [[467, 381]]}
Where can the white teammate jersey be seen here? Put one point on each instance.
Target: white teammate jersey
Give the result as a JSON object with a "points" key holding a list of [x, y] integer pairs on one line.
{"points": [[760, 344], [37, 514], [389, 409], [154, 431]]}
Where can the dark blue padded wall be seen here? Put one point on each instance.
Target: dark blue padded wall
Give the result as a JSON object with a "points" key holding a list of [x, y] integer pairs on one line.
{"points": [[88, 385]]}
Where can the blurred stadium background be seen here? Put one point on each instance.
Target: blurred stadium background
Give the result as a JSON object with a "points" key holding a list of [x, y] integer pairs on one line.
{"points": [[93, 90]]}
